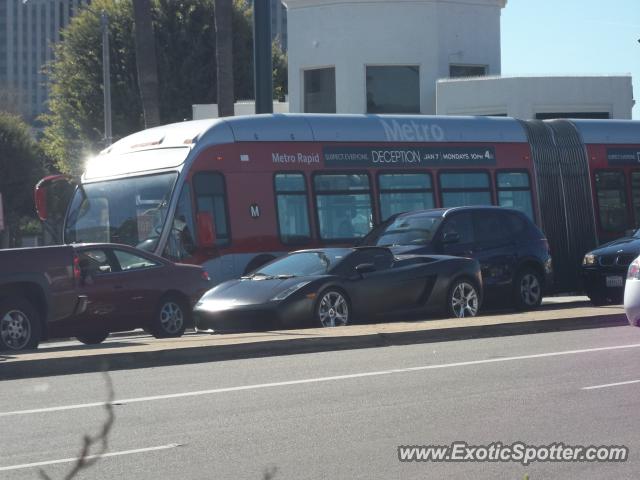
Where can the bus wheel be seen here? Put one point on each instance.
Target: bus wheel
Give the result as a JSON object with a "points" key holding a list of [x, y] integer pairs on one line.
{"points": [[257, 262], [20, 327], [170, 319], [528, 290], [93, 338]]}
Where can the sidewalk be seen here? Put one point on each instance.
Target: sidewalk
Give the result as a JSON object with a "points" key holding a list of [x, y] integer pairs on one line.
{"points": [[141, 351]]}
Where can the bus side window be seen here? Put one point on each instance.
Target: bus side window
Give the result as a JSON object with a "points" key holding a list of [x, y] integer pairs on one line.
{"points": [[612, 200], [465, 188], [211, 196], [635, 197], [402, 192], [181, 241], [291, 205], [344, 205], [514, 191]]}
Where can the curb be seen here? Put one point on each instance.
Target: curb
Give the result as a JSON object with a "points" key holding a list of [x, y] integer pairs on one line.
{"points": [[42, 367]]}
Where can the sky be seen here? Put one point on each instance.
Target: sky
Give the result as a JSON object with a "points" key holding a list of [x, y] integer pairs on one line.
{"points": [[572, 37]]}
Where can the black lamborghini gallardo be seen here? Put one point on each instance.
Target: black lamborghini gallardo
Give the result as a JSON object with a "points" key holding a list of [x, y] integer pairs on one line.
{"points": [[337, 286]]}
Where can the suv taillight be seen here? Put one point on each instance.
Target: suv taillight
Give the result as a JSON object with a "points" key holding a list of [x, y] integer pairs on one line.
{"points": [[77, 274]]}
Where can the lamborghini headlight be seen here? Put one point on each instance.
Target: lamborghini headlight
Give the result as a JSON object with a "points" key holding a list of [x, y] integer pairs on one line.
{"points": [[285, 293]]}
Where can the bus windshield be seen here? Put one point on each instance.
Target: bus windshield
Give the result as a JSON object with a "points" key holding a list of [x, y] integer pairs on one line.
{"points": [[130, 211]]}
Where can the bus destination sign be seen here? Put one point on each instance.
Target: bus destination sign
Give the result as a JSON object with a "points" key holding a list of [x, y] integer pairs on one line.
{"points": [[623, 156], [395, 157]]}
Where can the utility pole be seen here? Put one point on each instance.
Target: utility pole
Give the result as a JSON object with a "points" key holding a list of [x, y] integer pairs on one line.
{"points": [[262, 63], [106, 78]]}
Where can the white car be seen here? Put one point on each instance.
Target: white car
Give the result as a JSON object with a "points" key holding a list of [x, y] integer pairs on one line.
{"points": [[632, 293]]}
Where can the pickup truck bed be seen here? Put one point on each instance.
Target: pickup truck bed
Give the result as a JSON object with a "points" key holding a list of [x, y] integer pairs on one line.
{"points": [[37, 286]]}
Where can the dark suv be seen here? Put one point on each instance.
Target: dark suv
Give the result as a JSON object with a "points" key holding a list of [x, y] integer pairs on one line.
{"points": [[513, 253]]}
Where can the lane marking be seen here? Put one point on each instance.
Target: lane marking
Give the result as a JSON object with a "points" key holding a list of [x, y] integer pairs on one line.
{"points": [[316, 380], [104, 455], [595, 387]]}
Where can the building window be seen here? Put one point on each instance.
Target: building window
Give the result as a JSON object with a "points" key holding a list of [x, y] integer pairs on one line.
{"points": [[612, 202], [343, 205], [514, 191], [468, 188], [291, 205], [393, 89], [211, 197], [320, 90], [457, 71], [402, 192]]}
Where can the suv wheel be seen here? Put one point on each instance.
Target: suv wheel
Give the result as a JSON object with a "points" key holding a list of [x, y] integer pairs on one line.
{"points": [[528, 290]]}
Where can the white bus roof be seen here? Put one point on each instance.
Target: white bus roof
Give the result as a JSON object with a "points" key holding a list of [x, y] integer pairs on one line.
{"points": [[359, 128]]}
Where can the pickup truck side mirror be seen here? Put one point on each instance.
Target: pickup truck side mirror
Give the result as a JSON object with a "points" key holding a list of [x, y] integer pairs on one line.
{"points": [[206, 230], [450, 237], [365, 268]]}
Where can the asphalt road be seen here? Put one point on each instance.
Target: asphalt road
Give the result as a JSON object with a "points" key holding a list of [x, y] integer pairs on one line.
{"points": [[340, 414]]}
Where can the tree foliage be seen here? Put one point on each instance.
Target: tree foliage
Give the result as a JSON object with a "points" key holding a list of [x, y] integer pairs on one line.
{"points": [[21, 166], [185, 46]]}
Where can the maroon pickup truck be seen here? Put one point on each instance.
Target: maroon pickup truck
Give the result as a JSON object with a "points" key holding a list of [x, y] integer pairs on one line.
{"points": [[90, 290]]}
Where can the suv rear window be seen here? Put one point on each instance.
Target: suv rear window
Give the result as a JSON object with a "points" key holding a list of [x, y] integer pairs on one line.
{"points": [[408, 230]]}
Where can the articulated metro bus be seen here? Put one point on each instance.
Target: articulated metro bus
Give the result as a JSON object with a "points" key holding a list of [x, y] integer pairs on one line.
{"points": [[233, 193]]}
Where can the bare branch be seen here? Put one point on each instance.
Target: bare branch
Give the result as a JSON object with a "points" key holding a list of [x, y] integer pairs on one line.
{"points": [[89, 441]]}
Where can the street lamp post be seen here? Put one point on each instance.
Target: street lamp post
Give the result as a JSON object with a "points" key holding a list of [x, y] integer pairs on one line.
{"points": [[106, 77]]}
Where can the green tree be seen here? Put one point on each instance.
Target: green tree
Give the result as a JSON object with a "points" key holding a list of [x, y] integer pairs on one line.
{"points": [[185, 46], [74, 127], [21, 166]]}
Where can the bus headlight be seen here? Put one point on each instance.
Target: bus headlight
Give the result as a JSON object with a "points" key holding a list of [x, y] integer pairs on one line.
{"points": [[589, 260], [285, 293]]}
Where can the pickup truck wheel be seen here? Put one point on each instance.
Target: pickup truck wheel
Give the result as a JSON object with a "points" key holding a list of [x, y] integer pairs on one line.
{"points": [[93, 338], [170, 319], [20, 327]]}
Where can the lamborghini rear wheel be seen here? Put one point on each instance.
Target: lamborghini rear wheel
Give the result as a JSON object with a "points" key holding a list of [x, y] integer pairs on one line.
{"points": [[333, 309]]}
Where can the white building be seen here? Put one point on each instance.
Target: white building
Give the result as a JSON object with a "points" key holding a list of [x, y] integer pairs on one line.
{"points": [[407, 56], [537, 97], [380, 56]]}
